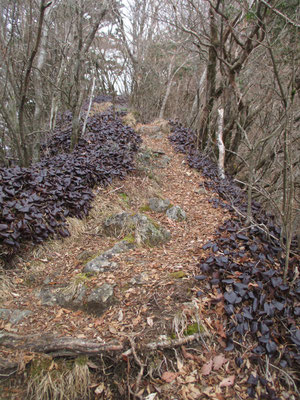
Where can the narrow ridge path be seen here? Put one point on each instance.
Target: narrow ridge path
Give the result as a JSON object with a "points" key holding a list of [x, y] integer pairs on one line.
{"points": [[157, 307]]}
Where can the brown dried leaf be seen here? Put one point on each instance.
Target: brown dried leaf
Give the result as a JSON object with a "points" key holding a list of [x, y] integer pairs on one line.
{"points": [[220, 329], [229, 381], [207, 367], [112, 329], [218, 362], [169, 376], [190, 379]]}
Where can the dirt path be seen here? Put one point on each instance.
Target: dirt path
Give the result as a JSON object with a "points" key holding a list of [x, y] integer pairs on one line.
{"points": [[158, 307]]}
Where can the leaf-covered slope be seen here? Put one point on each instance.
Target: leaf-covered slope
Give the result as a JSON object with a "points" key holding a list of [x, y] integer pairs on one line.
{"points": [[34, 202]]}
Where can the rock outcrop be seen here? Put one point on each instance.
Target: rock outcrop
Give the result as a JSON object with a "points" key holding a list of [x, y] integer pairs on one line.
{"points": [[145, 230]]}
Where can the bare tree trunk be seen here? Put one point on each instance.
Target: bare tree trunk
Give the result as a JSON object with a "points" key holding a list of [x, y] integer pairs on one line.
{"points": [[25, 161], [210, 83], [89, 107], [38, 88], [220, 143], [197, 99], [55, 97], [169, 84], [79, 72]]}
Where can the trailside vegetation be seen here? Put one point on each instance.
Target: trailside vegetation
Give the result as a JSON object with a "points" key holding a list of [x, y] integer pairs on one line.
{"points": [[35, 201]]}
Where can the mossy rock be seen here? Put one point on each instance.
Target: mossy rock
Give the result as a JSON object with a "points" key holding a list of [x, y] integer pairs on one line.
{"points": [[129, 238], [148, 231], [157, 204], [86, 256], [176, 213], [118, 224]]}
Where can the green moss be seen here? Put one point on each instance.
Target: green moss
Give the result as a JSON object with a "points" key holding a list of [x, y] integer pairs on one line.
{"points": [[157, 226], [82, 277], [81, 360], [145, 208], [193, 328], [40, 366], [178, 274], [124, 197], [44, 365], [129, 238], [151, 176], [172, 336]]}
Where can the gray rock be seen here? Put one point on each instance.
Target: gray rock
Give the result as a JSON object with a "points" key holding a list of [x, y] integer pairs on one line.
{"points": [[100, 299], [159, 205], [14, 316], [72, 296], [164, 161], [149, 232], [66, 296], [176, 213], [18, 315], [103, 262], [120, 247], [100, 264], [146, 231], [117, 224], [48, 296]]}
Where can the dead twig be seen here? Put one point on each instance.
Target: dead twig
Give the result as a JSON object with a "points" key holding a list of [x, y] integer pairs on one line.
{"points": [[141, 365]]}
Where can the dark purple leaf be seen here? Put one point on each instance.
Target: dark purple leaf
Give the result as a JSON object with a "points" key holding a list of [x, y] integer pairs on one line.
{"points": [[247, 314], [239, 361], [242, 237], [276, 282], [252, 380], [230, 297], [200, 277], [230, 346], [271, 347]]}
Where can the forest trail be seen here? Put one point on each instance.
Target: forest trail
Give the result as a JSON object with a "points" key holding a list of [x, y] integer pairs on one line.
{"points": [[158, 302], [145, 312]]}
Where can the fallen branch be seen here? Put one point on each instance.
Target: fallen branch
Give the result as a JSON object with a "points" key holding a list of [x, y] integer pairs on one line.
{"points": [[69, 346], [57, 346], [165, 344], [7, 368]]}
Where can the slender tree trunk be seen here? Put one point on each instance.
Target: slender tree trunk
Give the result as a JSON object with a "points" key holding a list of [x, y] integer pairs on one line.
{"points": [[210, 83], [197, 99], [89, 107], [25, 161], [221, 146], [38, 89]]}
